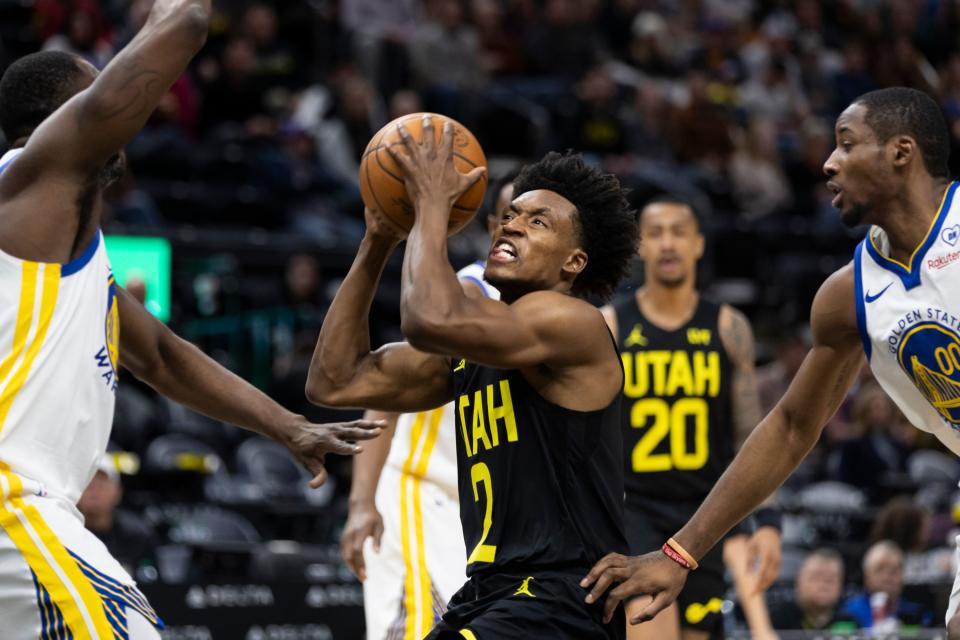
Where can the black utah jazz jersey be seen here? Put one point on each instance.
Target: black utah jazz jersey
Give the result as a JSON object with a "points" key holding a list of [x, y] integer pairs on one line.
{"points": [[540, 485], [677, 425]]}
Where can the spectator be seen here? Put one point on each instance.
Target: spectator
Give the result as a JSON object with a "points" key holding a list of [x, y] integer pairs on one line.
{"points": [[233, 93], [598, 125], [701, 130], [445, 55], [873, 457], [563, 44], [84, 37], [817, 593], [903, 523], [774, 378], [760, 187], [275, 64], [883, 574], [500, 50], [128, 538]]}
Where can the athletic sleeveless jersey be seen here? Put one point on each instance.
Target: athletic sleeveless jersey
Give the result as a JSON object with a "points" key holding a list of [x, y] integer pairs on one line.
{"points": [[424, 444], [59, 335], [540, 486], [909, 321], [675, 415]]}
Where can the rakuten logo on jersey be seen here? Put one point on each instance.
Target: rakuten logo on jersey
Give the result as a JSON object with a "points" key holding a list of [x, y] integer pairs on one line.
{"points": [[943, 261]]}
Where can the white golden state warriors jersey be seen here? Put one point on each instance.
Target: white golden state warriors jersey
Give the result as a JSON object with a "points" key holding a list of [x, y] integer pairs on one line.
{"points": [[425, 444], [59, 334], [909, 321]]}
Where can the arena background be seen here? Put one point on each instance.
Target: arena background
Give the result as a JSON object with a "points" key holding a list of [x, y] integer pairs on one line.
{"points": [[242, 214]]}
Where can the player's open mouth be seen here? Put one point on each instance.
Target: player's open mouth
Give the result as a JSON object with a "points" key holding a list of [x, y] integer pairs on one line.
{"points": [[503, 251]]}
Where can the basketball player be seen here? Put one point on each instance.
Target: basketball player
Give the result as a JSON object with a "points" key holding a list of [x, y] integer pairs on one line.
{"points": [[690, 395], [536, 380], [897, 302], [60, 332], [404, 498]]}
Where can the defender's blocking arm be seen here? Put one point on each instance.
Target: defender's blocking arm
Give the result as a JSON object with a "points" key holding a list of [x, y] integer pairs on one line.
{"points": [[66, 152], [181, 372], [770, 455]]}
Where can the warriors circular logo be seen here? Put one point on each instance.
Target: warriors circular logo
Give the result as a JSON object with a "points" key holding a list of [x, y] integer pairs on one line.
{"points": [[930, 354]]}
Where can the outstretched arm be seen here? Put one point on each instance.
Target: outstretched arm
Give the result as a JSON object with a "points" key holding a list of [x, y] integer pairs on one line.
{"points": [[70, 147], [771, 453], [181, 372], [344, 371]]}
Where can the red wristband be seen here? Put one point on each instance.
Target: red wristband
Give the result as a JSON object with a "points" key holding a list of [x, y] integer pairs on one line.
{"points": [[676, 557]]}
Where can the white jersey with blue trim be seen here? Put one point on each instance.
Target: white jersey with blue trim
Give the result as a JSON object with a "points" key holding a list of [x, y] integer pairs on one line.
{"points": [[909, 321], [59, 340], [425, 443]]}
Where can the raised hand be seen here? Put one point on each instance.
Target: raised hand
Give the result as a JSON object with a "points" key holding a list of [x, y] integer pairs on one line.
{"points": [[429, 173], [381, 228], [653, 574], [363, 521], [310, 443]]}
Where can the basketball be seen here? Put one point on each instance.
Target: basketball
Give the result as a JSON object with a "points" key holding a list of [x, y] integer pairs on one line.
{"points": [[381, 178]]}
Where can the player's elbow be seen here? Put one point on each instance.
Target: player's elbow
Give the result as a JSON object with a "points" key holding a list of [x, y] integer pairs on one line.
{"points": [[800, 431], [423, 331], [194, 20], [323, 390]]}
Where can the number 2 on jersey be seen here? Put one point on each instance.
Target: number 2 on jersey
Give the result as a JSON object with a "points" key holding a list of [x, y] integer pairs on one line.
{"points": [[480, 474], [670, 421]]}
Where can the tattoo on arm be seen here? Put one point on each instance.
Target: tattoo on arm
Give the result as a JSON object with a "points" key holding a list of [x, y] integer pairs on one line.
{"points": [[134, 94], [738, 338]]}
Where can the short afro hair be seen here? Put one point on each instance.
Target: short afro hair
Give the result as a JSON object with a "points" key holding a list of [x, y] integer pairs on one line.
{"points": [[669, 198], [33, 88], [902, 111], [607, 224]]}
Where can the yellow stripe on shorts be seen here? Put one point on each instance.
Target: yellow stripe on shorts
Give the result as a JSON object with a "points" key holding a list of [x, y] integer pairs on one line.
{"points": [[466, 633], [56, 570]]}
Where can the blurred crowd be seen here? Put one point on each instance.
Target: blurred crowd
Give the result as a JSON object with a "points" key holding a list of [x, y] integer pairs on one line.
{"points": [[728, 103]]}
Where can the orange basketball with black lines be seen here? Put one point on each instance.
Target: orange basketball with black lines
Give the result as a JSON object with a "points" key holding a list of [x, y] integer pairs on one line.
{"points": [[381, 178]]}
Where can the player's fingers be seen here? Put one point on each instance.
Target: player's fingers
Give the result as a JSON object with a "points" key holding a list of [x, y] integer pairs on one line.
{"points": [[341, 447], [446, 139], [598, 569], [427, 139], [369, 425], [354, 433], [405, 138], [400, 156], [319, 477], [610, 607], [660, 602], [607, 578], [357, 555], [473, 177]]}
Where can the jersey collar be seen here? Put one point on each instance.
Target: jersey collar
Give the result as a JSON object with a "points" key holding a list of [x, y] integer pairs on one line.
{"points": [[910, 274]]}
